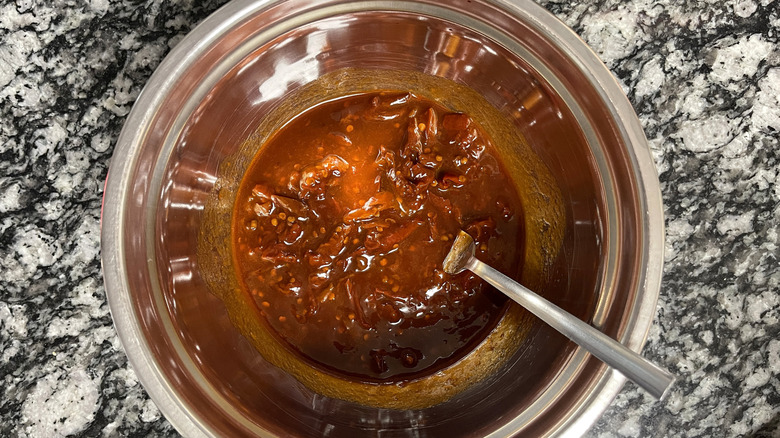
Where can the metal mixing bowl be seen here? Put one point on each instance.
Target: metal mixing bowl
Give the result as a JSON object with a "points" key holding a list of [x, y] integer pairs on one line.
{"points": [[203, 102]]}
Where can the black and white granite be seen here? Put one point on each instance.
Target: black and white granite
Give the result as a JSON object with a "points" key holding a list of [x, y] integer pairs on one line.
{"points": [[704, 77]]}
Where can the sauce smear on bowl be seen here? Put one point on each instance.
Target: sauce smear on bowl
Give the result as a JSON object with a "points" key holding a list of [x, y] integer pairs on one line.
{"points": [[342, 222]]}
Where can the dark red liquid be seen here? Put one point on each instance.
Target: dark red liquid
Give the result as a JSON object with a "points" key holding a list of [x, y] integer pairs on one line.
{"points": [[342, 223]]}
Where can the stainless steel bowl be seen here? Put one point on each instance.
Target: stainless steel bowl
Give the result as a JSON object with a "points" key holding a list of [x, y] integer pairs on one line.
{"points": [[204, 100]]}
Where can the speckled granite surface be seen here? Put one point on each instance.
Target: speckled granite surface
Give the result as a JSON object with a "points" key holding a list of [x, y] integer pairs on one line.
{"points": [[704, 76]]}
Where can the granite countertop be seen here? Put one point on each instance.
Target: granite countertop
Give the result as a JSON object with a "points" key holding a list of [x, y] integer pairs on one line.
{"points": [[704, 77]]}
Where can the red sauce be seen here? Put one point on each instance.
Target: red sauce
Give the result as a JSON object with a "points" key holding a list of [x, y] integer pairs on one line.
{"points": [[342, 223]]}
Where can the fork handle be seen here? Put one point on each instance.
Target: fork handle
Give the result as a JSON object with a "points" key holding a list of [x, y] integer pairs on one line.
{"points": [[641, 371]]}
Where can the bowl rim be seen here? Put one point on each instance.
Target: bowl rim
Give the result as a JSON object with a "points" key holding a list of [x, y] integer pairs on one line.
{"points": [[201, 38]]}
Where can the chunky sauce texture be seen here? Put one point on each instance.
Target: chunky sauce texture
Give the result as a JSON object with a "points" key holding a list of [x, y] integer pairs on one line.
{"points": [[342, 223]]}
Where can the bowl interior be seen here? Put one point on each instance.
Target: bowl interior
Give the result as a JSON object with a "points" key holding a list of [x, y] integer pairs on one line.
{"points": [[243, 72]]}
